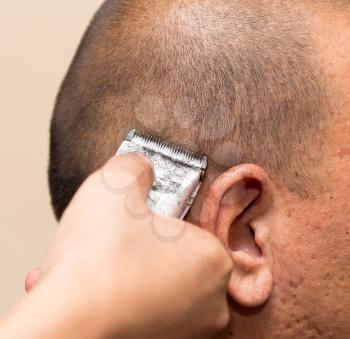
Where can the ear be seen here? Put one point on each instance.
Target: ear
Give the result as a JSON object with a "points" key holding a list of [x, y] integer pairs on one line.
{"points": [[234, 211]]}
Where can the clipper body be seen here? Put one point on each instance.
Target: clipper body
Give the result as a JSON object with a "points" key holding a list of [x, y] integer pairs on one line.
{"points": [[178, 173]]}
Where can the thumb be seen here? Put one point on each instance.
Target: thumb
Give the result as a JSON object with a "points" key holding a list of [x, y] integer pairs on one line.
{"points": [[129, 178], [131, 172], [124, 179]]}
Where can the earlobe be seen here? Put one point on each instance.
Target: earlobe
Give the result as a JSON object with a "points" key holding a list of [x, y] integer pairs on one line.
{"points": [[233, 211], [251, 281]]}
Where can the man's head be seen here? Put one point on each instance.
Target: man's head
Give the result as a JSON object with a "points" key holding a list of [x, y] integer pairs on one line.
{"points": [[261, 89]]}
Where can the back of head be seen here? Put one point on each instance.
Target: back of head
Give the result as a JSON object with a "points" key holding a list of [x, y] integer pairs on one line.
{"points": [[235, 80], [241, 81]]}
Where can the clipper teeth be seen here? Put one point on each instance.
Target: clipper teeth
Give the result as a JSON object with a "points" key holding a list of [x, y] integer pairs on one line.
{"points": [[174, 152]]}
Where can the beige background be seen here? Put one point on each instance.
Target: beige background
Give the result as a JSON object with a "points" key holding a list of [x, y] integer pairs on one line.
{"points": [[37, 41]]}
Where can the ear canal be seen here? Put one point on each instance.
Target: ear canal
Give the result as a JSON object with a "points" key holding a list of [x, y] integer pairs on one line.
{"points": [[242, 238]]}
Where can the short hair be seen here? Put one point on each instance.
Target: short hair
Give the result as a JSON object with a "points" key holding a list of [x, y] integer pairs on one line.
{"points": [[235, 80]]}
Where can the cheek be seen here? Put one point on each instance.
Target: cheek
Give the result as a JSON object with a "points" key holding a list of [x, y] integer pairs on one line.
{"points": [[312, 269]]}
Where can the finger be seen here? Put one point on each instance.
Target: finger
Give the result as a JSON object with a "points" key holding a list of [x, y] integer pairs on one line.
{"points": [[123, 182], [127, 173], [32, 279]]}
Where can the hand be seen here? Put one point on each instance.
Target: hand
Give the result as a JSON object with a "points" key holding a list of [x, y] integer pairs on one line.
{"points": [[112, 274]]}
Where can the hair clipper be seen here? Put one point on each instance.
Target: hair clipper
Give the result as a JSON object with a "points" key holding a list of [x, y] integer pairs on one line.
{"points": [[178, 173]]}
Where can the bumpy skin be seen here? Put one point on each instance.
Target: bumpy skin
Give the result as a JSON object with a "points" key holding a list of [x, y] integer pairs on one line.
{"points": [[308, 240], [304, 243]]}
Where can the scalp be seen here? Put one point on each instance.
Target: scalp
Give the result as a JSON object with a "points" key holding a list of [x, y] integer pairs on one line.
{"points": [[235, 80]]}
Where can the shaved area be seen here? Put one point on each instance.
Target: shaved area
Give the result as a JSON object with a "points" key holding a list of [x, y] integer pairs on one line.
{"points": [[235, 80]]}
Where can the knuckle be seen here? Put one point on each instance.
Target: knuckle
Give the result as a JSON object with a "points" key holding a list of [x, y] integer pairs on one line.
{"points": [[219, 259], [223, 319], [228, 263], [216, 252]]}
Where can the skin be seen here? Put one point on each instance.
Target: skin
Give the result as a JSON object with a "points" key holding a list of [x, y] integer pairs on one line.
{"points": [[304, 244], [108, 276], [291, 277]]}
